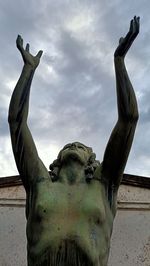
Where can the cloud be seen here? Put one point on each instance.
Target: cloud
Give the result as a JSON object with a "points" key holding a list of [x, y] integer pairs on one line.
{"points": [[73, 91]]}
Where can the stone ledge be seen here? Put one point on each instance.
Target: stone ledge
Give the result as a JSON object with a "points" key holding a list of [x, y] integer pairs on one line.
{"points": [[121, 205], [132, 180]]}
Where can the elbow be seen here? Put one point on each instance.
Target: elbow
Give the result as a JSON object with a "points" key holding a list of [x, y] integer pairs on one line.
{"points": [[12, 118], [16, 119], [130, 113], [130, 117], [134, 117]]}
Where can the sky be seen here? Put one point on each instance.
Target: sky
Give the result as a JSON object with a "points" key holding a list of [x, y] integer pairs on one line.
{"points": [[73, 94]]}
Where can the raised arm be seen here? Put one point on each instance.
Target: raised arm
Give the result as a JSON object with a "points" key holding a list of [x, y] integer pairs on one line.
{"points": [[119, 144], [28, 163]]}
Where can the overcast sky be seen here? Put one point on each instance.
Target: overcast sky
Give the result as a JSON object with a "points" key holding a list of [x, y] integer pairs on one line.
{"points": [[73, 95]]}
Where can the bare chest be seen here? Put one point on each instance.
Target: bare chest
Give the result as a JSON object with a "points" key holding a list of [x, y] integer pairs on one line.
{"points": [[78, 213], [69, 202]]}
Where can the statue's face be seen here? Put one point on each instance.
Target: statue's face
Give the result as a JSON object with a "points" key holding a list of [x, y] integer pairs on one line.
{"points": [[75, 151]]}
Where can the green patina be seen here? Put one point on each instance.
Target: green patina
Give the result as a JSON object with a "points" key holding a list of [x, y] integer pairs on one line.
{"points": [[70, 211]]}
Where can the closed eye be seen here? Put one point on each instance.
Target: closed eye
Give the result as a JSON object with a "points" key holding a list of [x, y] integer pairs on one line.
{"points": [[81, 147], [67, 146]]}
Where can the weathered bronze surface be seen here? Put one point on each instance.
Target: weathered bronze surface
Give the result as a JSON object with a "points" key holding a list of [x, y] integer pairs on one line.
{"points": [[70, 211]]}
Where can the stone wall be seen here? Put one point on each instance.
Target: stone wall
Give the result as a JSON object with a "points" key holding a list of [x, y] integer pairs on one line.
{"points": [[130, 245]]}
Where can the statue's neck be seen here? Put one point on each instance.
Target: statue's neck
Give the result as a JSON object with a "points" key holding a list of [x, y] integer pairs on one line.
{"points": [[72, 173]]}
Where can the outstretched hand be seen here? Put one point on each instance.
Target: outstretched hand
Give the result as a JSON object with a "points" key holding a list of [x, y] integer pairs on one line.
{"points": [[126, 42], [28, 58]]}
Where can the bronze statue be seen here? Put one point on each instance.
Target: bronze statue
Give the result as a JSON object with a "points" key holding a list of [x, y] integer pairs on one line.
{"points": [[70, 211]]}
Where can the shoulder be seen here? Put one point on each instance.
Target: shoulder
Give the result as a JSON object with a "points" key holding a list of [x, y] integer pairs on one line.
{"points": [[38, 173], [98, 175]]}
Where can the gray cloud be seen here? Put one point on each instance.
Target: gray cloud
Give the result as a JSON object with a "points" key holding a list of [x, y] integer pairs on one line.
{"points": [[73, 92]]}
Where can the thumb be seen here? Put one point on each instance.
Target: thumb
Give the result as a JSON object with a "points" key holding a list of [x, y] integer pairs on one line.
{"points": [[39, 54]]}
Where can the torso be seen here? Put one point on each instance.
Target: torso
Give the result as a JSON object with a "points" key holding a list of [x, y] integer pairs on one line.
{"points": [[61, 213]]}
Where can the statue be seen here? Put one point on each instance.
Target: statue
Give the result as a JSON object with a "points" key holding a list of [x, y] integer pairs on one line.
{"points": [[70, 211]]}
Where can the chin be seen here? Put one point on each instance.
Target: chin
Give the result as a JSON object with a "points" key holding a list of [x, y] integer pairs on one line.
{"points": [[72, 155]]}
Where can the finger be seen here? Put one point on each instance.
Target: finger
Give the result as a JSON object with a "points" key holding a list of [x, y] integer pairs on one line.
{"points": [[134, 25], [127, 37], [121, 40], [27, 47], [39, 54], [19, 42], [138, 21], [131, 26], [135, 30], [18, 39], [137, 24]]}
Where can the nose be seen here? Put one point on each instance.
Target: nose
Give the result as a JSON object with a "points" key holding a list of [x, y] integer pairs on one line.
{"points": [[73, 145]]}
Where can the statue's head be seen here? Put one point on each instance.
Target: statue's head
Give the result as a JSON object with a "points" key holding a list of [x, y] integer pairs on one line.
{"points": [[78, 152]]}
